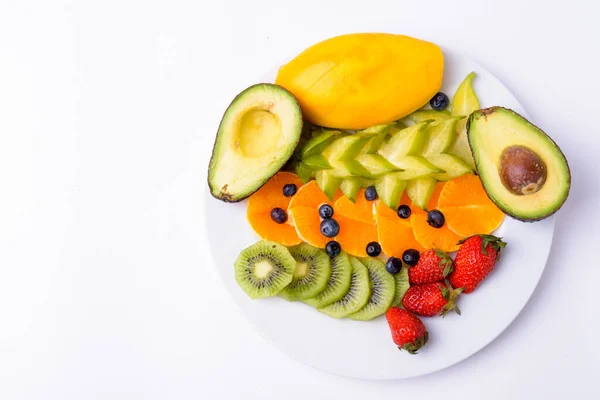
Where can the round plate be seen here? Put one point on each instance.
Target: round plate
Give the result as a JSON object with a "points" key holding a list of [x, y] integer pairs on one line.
{"points": [[365, 349]]}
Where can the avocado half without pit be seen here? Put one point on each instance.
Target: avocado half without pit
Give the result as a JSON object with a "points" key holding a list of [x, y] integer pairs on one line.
{"points": [[521, 168], [257, 135]]}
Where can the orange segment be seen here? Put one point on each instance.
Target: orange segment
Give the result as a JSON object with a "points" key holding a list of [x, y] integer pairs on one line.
{"points": [[260, 204], [355, 235], [304, 211], [467, 208], [395, 235], [308, 225], [362, 210], [441, 238], [310, 195]]}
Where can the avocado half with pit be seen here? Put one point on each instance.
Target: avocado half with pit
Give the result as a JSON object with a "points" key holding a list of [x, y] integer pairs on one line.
{"points": [[257, 135], [521, 168]]}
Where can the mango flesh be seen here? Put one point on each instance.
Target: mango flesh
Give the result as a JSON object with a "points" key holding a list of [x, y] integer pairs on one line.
{"points": [[359, 80]]}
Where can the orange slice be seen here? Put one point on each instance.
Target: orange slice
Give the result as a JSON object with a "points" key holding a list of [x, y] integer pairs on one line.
{"points": [[467, 208], [268, 197], [429, 237], [357, 224], [395, 235], [304, 211], [355, 235], [362, 210]]}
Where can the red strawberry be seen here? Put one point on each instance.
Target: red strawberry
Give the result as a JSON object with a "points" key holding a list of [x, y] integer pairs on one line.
{"points": [[408, 331], [433, 266], [475, 259], [430, 299]]}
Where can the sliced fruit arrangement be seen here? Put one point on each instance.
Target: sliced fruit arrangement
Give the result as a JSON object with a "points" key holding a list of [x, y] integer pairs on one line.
{"points": [[339, 286], [393, 157], [362, 177]]}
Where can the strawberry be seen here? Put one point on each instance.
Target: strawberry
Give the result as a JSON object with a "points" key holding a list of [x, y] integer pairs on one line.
{"points": [[475, 259], [429, 299], [408, 331], [433, 266]]}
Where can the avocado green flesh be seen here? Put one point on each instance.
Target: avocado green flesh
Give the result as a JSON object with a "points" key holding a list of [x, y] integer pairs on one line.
{"points": [[492, 130], [257, 135]]}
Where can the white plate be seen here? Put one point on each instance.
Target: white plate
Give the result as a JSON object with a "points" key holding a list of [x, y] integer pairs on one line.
{"points": [[365, 349]]}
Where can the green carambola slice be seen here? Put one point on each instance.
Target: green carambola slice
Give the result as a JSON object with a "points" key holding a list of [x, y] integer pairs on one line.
{"points": [[357, 296], [464, 102], [311, 274], [383, 289], [338, 284], [402, 285]]}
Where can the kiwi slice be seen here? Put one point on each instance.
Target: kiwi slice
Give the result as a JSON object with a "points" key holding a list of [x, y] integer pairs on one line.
{"points": [[357, 296], [338, 284], [402, 285], [263, 269], [311, 274], [382, 293]]}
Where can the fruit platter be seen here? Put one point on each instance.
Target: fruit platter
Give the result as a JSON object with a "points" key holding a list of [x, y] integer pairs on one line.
{"points": [[388, 204]]}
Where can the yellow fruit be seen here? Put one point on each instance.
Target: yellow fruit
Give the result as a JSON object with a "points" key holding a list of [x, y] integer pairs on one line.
{"points": [[359, 80]]}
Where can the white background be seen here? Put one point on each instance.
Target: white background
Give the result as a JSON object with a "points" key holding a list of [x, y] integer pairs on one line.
{"points": [[108, 111]]}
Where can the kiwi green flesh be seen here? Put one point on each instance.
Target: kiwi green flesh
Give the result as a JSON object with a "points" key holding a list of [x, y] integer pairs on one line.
{"points": [[383, 289], [402, 285], [263, 269], [311, 273], [357, 296], [338, 284]]}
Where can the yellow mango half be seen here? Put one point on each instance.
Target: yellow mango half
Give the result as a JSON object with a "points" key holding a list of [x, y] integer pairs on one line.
{"points": [[359, 80]]}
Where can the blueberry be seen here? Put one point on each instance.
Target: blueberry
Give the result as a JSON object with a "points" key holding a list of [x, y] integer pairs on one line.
{"points": [[278, 215], [411, 257], [333, 248], [439, 102], [404, 211], [370, 193], [289, 190], [326, 211], [393, 265], [330, 227], [435, 218], [373, 249]]}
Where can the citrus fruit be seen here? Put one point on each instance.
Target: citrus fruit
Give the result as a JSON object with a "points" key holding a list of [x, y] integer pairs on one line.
{"points": [[304, 211], [357, 224], [429, 237], [361, 210], [395, 234], [270, 196], [467, 208]]}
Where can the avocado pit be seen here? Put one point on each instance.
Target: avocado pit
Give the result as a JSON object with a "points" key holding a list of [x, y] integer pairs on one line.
{"points": [[522, 171]]}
